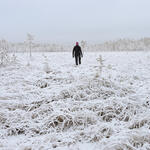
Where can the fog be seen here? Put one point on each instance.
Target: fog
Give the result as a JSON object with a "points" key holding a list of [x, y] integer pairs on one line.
{"points": [[70, 20]]}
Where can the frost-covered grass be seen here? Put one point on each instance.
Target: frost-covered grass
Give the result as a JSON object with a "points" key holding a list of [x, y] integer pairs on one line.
{"points": [[49, 103]]}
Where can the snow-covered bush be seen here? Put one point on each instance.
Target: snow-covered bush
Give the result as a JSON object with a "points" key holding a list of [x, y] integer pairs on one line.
{"points": [[13, 58], [99, 70], [4, 56], [41, 83], [46, 67]]}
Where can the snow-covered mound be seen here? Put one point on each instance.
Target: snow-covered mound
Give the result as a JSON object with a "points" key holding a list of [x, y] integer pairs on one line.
{"points": [[49, 103]]}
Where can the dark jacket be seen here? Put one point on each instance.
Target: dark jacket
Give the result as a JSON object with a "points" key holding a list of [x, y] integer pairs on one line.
{"points": [[77, 51]]}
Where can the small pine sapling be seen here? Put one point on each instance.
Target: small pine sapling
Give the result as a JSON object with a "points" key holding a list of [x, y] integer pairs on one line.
{"points": [[46, 65], [99, 70], [30, 39]]}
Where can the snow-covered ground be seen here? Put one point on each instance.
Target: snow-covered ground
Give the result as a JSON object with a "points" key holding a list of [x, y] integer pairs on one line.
{"points": [[49, 103]]}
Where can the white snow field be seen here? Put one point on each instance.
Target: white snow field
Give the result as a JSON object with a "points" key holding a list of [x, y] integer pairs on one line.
{"points": [[49, 103]]}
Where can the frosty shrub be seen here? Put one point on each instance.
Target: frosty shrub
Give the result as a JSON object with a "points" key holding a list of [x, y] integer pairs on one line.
{"points": [[41, 83], [46, 67], [99, 70], [4, 56], [83, 45], [13, 58]]}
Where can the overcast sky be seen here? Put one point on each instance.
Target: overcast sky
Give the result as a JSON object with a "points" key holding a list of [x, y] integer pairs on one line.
{"points": [[74, 20]]}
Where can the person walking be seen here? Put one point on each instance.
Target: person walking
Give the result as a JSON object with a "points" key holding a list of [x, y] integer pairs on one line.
{"points": [[77, 53]]}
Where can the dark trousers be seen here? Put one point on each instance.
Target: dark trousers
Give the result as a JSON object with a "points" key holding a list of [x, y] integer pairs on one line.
{"points": [[78, 60]]}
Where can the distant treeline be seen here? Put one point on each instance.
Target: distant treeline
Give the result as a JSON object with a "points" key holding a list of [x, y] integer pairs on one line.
{"points": [[123, 45], [118, 45]]}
